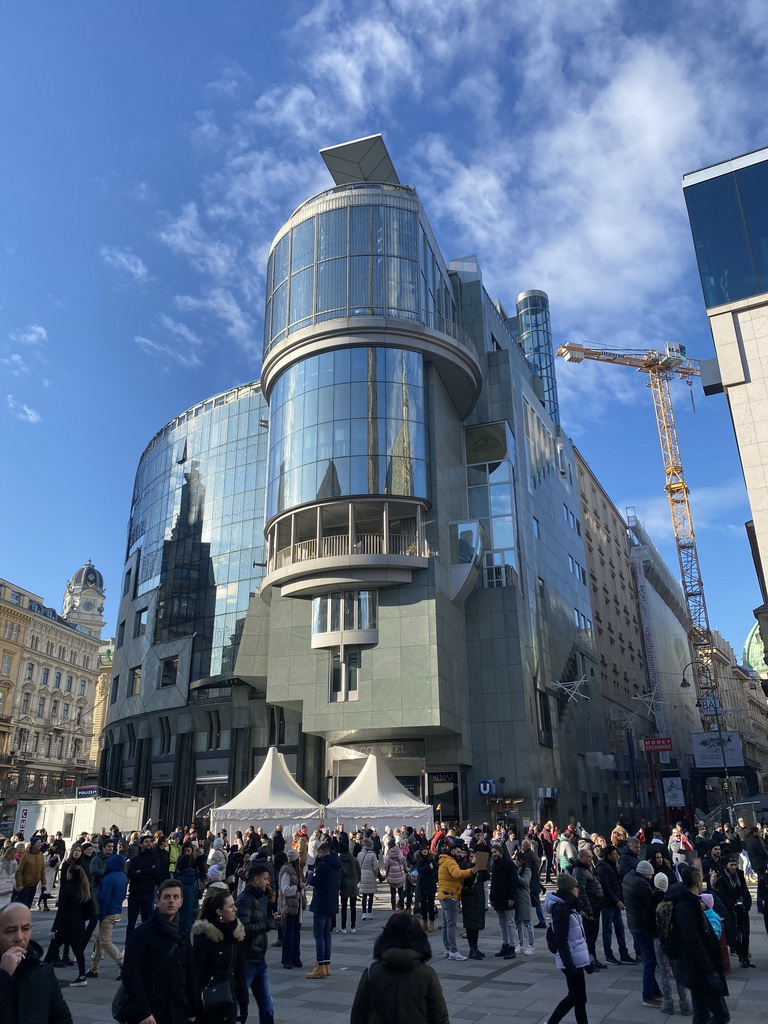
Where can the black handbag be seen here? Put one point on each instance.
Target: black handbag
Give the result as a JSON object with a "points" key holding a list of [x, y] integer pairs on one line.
{"points": [[121, 1005], [218, 996]]}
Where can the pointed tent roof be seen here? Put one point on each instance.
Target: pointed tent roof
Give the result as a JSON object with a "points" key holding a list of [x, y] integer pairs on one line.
{"points": [[377, 795], [273, 796]]}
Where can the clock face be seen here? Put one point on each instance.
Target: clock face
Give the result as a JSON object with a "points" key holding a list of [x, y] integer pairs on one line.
{"points": [[87, 606]]}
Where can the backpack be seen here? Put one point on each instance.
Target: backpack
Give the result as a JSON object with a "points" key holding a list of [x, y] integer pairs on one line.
{"points": [[665, 923], [549, 935]]}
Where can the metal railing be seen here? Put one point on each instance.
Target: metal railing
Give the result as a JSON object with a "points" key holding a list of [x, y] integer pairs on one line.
{"points": [[337, 546]]}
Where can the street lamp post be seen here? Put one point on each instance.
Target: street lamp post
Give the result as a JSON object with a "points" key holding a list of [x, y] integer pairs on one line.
{"points": [[713, 696]]}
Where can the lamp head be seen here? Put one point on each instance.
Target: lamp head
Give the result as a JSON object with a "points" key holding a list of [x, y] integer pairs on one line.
{"points": [[685, 685]]}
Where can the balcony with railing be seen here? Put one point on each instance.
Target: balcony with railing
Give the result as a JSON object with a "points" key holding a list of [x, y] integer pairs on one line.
{"points": [[316, 549]]}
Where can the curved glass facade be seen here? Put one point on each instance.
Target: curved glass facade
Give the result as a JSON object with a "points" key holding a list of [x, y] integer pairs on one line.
{"points": [[347, 422], [536, 340], [356, 251], [197, 524]]}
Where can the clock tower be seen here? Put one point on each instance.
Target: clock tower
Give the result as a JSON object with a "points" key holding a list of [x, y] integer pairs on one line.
{"points": [[84, 599]]}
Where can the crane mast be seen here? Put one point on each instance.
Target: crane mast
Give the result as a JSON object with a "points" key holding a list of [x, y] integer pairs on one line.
{"points": [[661, 367]]}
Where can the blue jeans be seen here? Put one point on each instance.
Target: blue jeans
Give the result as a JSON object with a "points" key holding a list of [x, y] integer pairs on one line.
{"points": [[321, 930], [257, 979], [537, 908], [644, 945], [612, 916], [448, 908]]}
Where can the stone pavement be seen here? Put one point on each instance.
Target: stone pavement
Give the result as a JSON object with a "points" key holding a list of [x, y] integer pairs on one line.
{"points": [[491, 991]]}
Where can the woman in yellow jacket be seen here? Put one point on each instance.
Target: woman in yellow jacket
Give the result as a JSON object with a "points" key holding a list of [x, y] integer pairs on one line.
{"points": [[30, 871], [450, 879]]}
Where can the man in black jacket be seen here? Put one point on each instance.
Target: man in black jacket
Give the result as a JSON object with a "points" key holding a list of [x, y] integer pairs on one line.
{"points": [[613, 897], [503, 897], [641, 919], [158, 968], [143, 876], [29, 991], [252, 911], [590, 902], [630, 857]]}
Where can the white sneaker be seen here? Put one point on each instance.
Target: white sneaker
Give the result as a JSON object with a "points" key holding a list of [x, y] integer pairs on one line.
{"points": [[446, 954], [529, 951], [457, 956], [518, 949], [353, 931], [347, 931]]}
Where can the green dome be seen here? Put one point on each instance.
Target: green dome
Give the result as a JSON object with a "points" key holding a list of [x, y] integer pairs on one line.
{"points": [[754, 654]]}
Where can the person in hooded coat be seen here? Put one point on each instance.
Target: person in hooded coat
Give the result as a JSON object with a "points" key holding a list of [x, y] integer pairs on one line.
{"points": [[219, 955], [573, 956], [190, 887], [400, 985], [326, 882], [369, 867]]}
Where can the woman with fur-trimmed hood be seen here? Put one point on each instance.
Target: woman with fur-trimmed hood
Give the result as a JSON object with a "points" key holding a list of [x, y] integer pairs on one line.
{"points": [[400, 985], [219, 956]]}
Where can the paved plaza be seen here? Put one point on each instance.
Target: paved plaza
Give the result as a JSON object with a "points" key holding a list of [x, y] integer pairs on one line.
{"points": [[491, 991]]}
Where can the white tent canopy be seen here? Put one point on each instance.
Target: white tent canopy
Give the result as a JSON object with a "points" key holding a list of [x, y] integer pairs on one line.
{"points": [[377, 798], [272, 798]]}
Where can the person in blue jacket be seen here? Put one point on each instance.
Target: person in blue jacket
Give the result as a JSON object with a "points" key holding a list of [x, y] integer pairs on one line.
{"points": [[187, 875], [326, 882], [111, 897]]}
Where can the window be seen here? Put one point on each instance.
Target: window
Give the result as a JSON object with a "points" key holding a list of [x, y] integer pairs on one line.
{"points": [[77, 749], [62, 653], [276, 726], [81, 688], [23, 738], [35, 742], [544, 719], [169, 671], [30, 670], [127, 583], [49, 648], [48, 741], [34, 643], [57, 681], [86, 662], [6, 664], [73, 657], [134, 681], [131, 740], [535, 522], [214, 730], [65, 713], [79, 716], [114, 690], [344, 675], [25, 703], [11, 631], [351, 610], [69, 684], [140, 622], [121, 634], [44, 679], [60, 747], [165, 736], [15, 597], [40, 707], [54, 709]]}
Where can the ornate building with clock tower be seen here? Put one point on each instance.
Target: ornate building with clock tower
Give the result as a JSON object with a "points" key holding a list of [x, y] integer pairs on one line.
{"points": [[84, 599]]}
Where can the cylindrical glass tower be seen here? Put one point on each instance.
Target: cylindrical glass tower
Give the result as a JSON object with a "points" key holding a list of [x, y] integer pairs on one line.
{"points": [[536, 339], [358, 298]]}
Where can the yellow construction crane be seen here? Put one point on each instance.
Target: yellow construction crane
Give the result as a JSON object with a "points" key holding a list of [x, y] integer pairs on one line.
{"points": [[661, 367]]}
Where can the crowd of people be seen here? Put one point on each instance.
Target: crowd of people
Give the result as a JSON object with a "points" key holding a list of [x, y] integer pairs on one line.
{"points": [[208, 906]]}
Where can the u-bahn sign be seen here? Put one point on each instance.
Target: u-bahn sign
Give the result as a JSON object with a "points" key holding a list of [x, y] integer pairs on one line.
{"points": [[486, 787]]}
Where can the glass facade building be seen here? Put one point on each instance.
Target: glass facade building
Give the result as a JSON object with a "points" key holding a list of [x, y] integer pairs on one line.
{"points": [[728, 213]]}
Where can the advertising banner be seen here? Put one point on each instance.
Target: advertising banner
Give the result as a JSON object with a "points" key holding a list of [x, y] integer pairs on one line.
{"points": [[656, 743], [673, 791], [708, 748]]}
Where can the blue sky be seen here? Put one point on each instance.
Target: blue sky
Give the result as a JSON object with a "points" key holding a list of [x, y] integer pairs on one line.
{"points": [[151, 151]]}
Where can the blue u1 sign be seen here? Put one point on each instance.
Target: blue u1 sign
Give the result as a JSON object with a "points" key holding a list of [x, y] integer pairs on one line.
{"points": [[486, 787]]}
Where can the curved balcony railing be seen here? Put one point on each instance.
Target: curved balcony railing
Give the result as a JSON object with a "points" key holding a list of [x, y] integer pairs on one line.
{"points": [[338, 546]]}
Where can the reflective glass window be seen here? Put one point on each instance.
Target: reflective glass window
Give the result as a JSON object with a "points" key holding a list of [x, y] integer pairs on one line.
{"points": [[282, 250], [302, 289], [303, 245], [503, 532], [360, 299], [331, 285], [478, 502], [320, 614], [720, 240], [501, 500], [752, 183], [359, 230], [279, 309], [331, 234]]}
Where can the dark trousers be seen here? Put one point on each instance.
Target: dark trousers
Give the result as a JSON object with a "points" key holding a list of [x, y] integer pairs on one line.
{"points": [[396, 895], [291, 951], [706, 1002], [473, 935], [644, 945], [77, 948], [90, 927], [427, 906], [366, 902], [576, 999], [741, 919], [591, 931], [138, 903], [352, 901]]}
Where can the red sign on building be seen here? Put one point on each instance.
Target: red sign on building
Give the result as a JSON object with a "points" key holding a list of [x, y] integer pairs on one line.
{"points": [[656, 743]]}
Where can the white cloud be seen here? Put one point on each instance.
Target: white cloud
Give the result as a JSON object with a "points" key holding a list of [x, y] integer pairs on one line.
{"points": [[143, 192], [222, 305], [16, 365], [125, 261], [23, 412], [32, 335], [719, 509], [186, 236], [231, 83], [184, 357]]}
